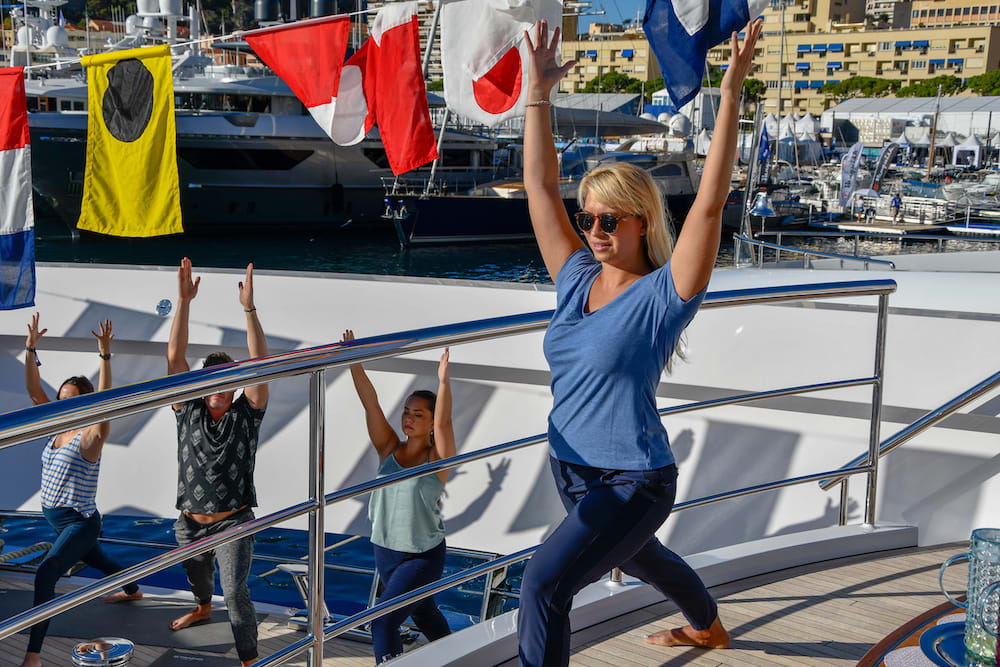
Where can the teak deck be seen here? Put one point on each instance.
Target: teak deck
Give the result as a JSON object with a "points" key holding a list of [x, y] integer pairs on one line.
{"points": [[830, 613]]}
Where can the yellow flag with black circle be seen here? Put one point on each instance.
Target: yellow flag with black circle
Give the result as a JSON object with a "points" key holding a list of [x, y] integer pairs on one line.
{"points": [[130, 183]]}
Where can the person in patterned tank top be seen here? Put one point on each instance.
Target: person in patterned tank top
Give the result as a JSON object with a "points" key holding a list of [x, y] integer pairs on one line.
{"points": [[216, 448], [71, 463]]}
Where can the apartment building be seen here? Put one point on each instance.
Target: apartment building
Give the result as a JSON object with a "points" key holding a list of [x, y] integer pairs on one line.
{"points": [[827, 43], [627, 52], [947, 13]]}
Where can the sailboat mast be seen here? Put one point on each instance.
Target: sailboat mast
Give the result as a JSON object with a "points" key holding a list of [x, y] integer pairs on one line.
{"points": [[937, 111]]}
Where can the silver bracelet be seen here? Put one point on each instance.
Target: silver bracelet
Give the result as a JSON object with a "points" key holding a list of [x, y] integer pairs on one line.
{"points": [[538, 103]]}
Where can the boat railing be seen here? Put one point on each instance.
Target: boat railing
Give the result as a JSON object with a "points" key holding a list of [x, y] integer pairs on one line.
{"points": [[941, 239], [907, 433], [807, 254], [28, 424]]}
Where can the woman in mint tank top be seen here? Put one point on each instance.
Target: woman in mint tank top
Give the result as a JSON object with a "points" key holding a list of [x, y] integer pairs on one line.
{"points": [[407, 529], [70, 466], [621, 307]]}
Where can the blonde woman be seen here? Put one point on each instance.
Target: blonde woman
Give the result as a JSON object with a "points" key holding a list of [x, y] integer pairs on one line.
{"points": [[621, 308]]}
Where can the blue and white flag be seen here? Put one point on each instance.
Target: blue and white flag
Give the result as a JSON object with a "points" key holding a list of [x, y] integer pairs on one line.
{"points": [[17, 220], [682, 31], [765, 146]]}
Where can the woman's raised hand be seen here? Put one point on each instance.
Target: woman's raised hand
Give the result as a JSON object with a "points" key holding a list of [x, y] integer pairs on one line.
{"points": [[348, 336], [246, 290], [740, 59], [34, 335], [544, 72], [443, 366], [187, 288], [104, 337]]}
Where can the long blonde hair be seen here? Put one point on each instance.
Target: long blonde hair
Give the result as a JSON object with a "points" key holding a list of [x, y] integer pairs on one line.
{"points": [[629, 189]]}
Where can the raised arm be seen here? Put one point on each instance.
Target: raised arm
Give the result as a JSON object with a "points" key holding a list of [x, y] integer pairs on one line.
{"points": [[380, 433], [94, 436], [444, 432], [555, 235], [256, 342], [187, 289], [698, 243], [32, 379]]}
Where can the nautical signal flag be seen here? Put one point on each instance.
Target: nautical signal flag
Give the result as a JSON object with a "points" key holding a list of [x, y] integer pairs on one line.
{"points": [[308, 57], [681, 32], [17, 219], [382, 83], [130, 182], [485, 57]]}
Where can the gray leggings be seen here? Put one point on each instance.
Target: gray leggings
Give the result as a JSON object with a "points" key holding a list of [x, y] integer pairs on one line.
{"points": [[234, 568]]}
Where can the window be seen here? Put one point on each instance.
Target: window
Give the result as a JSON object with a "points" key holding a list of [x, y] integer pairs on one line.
{"points": [[993, 9], [923, 13], [975, 11], [919, 64], [966, 11], [916, 13], [885, 46], [772, 84], [948, 11]]}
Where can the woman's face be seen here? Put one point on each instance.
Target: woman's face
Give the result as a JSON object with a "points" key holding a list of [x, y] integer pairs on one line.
{"points": [[68, 391], [624, 245], [417, 420]]}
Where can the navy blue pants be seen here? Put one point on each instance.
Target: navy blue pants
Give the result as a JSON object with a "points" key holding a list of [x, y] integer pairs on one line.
{"points": [[613, 517], [77, 541], [402, 572]]}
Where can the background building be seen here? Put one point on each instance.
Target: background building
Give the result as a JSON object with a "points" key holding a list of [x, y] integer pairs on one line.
{"points": [[602, 51], [936, 13], [826, 43]]}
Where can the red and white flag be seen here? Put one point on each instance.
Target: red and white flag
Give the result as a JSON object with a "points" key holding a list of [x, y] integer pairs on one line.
{"points": [[486, 76], [309, 58], [17, 219], [383, 84]]}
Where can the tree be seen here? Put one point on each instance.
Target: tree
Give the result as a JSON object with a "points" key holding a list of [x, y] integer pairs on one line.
{"points": [[435, 85], [753, 90], [929, 87], [610, 82], [714, 77], [860, 86], [985, 84]]}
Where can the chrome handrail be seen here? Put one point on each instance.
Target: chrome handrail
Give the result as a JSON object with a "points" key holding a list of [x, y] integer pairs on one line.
{"points": [[27, 424], [812, 253], [931, 418], [24, 425], [879, 235]]}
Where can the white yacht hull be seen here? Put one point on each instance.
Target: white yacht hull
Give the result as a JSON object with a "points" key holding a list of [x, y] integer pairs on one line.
{"points": [[942, 334]]}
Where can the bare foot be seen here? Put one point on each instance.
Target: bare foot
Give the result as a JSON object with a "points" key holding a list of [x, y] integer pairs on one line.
{"points": [[122, 596], [200, 614], [715, 637], [32, 660]]}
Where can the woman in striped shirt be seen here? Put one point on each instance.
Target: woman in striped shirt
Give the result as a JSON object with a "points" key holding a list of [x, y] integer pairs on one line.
{"points": [[70, 465]]}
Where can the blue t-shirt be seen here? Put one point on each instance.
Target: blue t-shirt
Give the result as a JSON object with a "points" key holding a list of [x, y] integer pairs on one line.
{"points": [[606, 366]]}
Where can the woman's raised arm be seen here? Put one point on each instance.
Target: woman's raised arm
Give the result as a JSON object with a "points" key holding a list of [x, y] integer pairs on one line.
{"points": [[698, 243], [555, 235], [383, 438]]}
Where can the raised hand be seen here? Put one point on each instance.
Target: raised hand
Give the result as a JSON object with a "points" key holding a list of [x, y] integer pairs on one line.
{"points": [[740, 59], [443, 367], [104, 338], [34, 335], [544, 72], [187, 288], [348, 336], [246, 290]]}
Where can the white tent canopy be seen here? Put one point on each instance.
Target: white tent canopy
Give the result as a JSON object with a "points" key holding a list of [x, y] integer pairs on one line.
{"points": [[771, 125], [786, 128], [969, 152], [806, 128], [918, 136], [949, 141]]}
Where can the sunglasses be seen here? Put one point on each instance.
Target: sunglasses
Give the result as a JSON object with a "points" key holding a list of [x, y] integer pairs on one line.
{"points": [[609, 223]]}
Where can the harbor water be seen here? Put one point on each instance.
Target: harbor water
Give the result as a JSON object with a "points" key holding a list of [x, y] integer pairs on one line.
{"points": [[372, 248]]}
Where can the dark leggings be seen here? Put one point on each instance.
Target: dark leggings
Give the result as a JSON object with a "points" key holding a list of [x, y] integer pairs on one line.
{"points": [[77, 541], [402, 572], [612, 521]]}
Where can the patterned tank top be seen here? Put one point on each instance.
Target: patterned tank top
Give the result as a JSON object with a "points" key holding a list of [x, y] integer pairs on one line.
{"points": [[68, 479]]}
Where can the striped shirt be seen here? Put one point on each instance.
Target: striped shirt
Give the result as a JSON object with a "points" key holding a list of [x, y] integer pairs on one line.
{"points": [[68, 479]]}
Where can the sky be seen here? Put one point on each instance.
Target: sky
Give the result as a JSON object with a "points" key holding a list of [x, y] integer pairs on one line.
{"points": [[615, 11]]}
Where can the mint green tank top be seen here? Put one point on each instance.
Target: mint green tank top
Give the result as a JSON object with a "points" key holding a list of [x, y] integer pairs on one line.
{"points": [[406, 516]]}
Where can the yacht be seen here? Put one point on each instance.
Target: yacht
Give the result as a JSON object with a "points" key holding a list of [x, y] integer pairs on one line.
{"points": [[793, 375], [245, 144]]}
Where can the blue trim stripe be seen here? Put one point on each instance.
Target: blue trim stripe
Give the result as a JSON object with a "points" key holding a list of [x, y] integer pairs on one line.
{"points": [[17, 270]]}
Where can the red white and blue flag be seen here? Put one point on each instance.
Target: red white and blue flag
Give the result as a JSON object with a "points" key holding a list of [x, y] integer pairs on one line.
{"points": [[17, 219]]}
